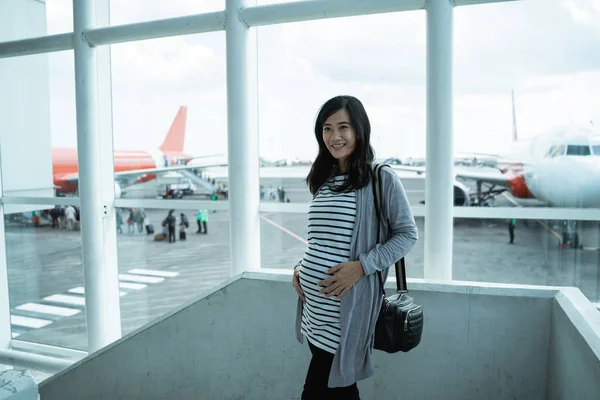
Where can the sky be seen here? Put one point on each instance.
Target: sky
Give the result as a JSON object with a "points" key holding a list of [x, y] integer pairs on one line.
{"points": [[544, 50]]}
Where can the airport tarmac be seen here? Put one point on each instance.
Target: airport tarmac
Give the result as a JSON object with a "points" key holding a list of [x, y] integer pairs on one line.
{"points": [[46, 276]]}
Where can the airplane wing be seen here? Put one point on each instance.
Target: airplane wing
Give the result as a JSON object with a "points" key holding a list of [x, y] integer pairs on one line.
{"points": [[161, 170], [491, 177], [74, 178]]}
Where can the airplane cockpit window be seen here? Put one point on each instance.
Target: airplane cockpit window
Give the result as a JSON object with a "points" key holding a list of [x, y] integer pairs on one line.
{"points": [[596, 149], [578, 150], [555, 151]]}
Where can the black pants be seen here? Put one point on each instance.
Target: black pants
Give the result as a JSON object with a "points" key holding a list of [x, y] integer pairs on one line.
{"points": [[315, 386], [171, 234]]}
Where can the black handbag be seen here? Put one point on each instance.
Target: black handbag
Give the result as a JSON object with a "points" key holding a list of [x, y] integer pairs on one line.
{"points": [[400, 323]]}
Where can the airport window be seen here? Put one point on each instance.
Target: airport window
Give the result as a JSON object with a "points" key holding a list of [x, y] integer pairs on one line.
{"points": [[573, 150], [297, 73], [160, 267], [45, 276], [528, 251], [169, 104], [126, 12], [41, 114]]}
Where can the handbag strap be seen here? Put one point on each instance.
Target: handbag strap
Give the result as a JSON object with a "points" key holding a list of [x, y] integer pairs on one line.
{"points": [[401, 264]]}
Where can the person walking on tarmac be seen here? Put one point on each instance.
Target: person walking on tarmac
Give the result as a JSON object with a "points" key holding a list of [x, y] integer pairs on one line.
{"points": [[170, 222], [201, 219], [511, 230]]}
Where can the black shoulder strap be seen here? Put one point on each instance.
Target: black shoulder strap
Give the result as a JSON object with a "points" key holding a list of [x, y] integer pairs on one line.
{"points": [[401, 264]]}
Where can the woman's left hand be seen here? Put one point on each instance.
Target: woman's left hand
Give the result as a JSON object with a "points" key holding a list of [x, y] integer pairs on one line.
{"points": [[345, 276]]}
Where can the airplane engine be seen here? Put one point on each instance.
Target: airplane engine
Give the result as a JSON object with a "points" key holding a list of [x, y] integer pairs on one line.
{"points": [[461, 194], [117, 190]]}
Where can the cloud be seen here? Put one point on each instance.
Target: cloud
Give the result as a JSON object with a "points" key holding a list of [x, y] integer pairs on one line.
{"points": [[583, 11], [546, 51]]}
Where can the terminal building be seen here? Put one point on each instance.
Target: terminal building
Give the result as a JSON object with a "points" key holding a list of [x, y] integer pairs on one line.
{"points": [[96, 304]]}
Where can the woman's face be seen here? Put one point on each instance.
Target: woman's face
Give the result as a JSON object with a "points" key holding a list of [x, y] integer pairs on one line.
{"points": [[339, 136]]}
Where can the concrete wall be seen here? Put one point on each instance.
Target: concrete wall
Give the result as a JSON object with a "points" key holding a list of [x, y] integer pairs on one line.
{"points": [[574, 368], [25, 142], [479, 342]]}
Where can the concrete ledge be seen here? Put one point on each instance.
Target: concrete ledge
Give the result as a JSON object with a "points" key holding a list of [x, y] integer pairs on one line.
{"points": [[17, 385], [482, 340]]}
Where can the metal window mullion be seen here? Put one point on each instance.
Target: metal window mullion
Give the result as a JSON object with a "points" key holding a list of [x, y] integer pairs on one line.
{"points": [[99, 301], [439, 180], [5, 327], [242, 140]]}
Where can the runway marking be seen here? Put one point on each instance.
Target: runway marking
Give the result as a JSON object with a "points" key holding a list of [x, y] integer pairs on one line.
{"points": [[66, 299], [140, 279], [552, 231], [132, 286], [292, 234], [81, 290], [46, 309], [165, 274], [28, 321]]}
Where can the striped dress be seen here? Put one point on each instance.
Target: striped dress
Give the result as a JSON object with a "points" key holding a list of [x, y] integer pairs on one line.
{"points": [[331, 219]]}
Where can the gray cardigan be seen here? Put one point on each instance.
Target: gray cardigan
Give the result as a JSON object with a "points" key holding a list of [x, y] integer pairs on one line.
{"points": [[360, 306]]}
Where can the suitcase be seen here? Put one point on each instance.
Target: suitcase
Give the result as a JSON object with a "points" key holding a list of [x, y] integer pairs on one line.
{"points": [[159, 237], [150, 229], [182, 235]]}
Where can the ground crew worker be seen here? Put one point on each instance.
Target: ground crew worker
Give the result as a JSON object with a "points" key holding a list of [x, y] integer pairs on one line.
{"points": [[511, 229], [202, 219]]}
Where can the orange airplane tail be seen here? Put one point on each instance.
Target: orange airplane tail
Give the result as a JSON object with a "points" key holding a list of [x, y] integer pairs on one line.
{"points": [[176, 136]]}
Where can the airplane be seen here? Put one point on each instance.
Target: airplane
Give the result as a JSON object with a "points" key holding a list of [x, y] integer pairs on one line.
{"points": [[560, 167], [133, 166]]}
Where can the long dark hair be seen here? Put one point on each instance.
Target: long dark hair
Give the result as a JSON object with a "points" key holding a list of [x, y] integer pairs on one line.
{"points": [[358, 165]]}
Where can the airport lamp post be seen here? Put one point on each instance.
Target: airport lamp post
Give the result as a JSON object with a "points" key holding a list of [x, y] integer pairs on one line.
{"points": [[242, 135], [100, 282], [439, 180]]}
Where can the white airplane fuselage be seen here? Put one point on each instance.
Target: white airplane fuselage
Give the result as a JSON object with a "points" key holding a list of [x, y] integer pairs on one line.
{"points": [[565, 181], [560, 177]]}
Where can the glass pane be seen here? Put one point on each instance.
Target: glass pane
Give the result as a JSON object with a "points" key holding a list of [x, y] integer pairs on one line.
{"points": [[522, 88], [544, 252], [44, 274], [301, 65], [28, 19], [37, 107], [158, 275], [170, 113], [283, 242], [127, 12]]}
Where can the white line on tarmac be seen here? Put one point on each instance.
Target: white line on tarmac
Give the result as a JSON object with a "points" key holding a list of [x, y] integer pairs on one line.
{"points": [[153, 272], [63, 298], [28, 321], [132, 286], [81, 290], [46, 309], [292, 234], [140, 279]]}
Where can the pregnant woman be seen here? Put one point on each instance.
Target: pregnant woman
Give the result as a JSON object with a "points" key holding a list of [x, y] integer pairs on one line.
{"points": [[336, 280]]}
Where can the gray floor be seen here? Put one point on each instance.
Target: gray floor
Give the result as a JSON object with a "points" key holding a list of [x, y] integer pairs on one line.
{"points": [[43, 262]]}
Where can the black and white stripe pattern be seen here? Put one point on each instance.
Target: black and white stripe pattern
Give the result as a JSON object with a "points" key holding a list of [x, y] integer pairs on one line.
{"points": [[331, 219]]}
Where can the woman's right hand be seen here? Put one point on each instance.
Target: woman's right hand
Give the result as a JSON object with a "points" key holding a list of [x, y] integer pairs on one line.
{"points": [[296, 283]]}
